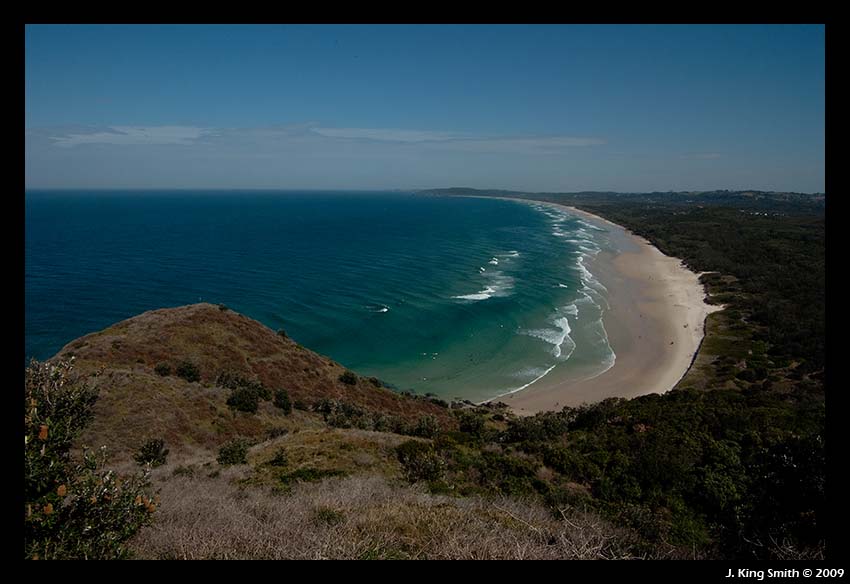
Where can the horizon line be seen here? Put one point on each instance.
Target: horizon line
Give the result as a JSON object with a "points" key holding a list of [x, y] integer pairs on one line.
{"points": [[413, 190]]}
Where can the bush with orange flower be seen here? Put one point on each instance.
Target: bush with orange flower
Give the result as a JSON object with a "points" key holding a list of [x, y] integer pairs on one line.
{"points": [[73, 508]]}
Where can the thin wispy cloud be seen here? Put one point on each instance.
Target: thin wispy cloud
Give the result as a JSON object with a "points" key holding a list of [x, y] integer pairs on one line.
{"points": [[387, 134], [132, 135], [263, 138], [519, 144], [460, 141]]}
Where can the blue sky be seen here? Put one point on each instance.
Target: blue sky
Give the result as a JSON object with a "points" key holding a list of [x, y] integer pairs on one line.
{"points": [[532, 107]]}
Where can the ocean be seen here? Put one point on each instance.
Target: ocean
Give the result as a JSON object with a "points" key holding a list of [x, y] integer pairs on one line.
{"points": [[463, 298]]}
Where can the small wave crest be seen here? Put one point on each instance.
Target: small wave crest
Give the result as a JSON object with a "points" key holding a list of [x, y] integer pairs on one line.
{"points": [[497, 284], [590, 225], [558, 337], [571, 309], [484, 294]]}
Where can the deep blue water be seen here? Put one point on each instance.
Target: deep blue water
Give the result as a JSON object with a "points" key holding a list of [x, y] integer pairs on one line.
{"points": [[460, 297]]}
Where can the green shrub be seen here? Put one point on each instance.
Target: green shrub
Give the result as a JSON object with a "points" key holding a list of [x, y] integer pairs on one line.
{"points": [[234, 380], [233, 452], [348, 378], [153, 452], [229, 379], [163, 369], [244, 399], [300, 404], [747, 375], [281, 333], [281, 400], [73, 509], [426, 427], [388, 423], [420, 461], [571, 463], [188, 371], [279, 459], [471, 422], [223, 307], [276, 432], [340, 414], [509, 475], [246, 393]]}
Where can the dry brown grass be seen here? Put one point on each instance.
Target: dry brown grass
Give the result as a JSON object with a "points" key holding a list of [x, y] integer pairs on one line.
{"points": [[348, 451], [361, 517], [136, 404]]}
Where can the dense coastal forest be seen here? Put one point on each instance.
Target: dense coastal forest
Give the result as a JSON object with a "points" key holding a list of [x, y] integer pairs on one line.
{"points": [[734, 458], [730, 464]]}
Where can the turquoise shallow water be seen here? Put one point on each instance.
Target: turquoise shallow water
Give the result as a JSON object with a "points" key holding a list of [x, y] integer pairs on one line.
{"points": [[468, 298]]}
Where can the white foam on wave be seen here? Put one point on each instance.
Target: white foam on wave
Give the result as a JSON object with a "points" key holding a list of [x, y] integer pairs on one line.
{"points": [[596, 297], [533, 372], [587, 278], [590, 225], [571, 309], [378, 308], [535, 380], [499, 285], [484, 294], [557, 337], [611, 356], [497, 282]]}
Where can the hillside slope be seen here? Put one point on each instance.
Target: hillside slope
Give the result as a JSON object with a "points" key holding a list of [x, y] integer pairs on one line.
{"points": [[136, 403], [320, 481]]}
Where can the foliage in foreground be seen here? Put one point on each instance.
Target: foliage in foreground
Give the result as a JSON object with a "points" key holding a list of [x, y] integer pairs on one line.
{"points": [[74, 509]]}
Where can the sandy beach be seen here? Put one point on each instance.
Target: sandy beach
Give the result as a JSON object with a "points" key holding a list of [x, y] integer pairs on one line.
{"points": [[655, 325]]}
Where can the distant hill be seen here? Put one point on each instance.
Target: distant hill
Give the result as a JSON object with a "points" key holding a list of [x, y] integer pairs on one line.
{"points": [[749, 199]]}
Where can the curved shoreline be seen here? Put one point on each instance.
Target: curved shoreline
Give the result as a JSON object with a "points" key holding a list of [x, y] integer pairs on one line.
{"points": [[655, 324]]}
